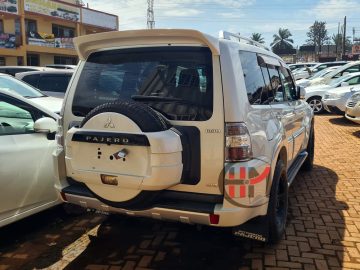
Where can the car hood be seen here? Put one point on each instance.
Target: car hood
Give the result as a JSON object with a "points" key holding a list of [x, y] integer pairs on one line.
{"points": [[317, 81], [51, 103]]}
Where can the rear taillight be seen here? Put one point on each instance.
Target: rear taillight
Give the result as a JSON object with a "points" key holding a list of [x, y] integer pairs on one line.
{"points": [[59, 137], [237, 142]]}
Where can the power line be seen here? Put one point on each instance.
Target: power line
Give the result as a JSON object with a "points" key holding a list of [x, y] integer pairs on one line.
{"points": [[150, 15]]}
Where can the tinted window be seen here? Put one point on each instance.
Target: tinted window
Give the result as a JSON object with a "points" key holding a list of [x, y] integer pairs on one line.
{"points": [[54, 83], [276, 84], [267, 94], [31, 79], [253, 77], [176, 81], [288, 84]]}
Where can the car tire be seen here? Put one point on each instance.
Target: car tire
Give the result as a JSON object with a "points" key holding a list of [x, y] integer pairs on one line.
{"points": [[278, 204], [148, 120], [316, 104], [309, 161]]}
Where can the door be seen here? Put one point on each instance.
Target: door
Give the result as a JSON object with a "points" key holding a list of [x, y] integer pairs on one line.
{"points": [[298, 107], [26, 170], [283, 110]]}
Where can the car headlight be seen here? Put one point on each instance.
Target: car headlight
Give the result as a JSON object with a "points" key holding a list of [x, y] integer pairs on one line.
{"points": [[355, 97]]}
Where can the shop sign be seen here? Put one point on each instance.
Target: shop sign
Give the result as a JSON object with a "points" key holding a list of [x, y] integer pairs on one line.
{"points": [[9, 6], [53, 9], [356, 49], [7, 41], [96, 18]]}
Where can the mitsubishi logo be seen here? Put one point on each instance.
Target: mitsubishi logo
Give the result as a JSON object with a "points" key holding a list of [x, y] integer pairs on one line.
{"points": [[109, 123]]}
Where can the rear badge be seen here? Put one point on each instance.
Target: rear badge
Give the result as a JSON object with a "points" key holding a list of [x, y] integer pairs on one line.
{"points": [[109, 179]]}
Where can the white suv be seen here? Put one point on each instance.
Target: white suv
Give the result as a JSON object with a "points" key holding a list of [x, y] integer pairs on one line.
{"points": [[179, 125]]}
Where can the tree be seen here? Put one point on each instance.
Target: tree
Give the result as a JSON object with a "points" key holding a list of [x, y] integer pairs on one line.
{"points": [[282, 40], [317, 34], [337, 39], [257, 37]]}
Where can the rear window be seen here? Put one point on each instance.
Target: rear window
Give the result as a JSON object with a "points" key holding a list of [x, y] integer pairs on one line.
{"points": [[31, 79], [176, 81], [54, 83]]}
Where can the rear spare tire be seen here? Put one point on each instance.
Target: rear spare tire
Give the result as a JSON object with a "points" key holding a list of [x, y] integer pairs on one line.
{"points": [[125, 153]]}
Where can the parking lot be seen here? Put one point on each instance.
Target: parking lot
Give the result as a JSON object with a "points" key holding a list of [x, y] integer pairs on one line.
{"points": [[323, 230]]}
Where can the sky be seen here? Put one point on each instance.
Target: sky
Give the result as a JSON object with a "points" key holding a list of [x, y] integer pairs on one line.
{"points": [[238, 16]]}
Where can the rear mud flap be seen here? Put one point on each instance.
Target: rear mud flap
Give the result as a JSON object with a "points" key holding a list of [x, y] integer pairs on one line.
{"points": [[255, 229]]}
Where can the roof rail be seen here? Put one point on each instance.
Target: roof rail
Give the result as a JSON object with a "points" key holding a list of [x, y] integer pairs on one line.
{"points": [[228, 35]]}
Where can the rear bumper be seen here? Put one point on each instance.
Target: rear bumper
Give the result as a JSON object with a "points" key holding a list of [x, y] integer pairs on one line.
{"points": [[172, 208], [192, 211]]}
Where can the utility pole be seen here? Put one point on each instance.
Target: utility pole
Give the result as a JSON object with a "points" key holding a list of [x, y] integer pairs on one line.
{"points": [[337, 43], [150, 15], [344, 38]]}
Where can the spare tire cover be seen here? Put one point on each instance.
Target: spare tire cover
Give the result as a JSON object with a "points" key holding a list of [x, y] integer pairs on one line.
{"points": [[127, 118]]}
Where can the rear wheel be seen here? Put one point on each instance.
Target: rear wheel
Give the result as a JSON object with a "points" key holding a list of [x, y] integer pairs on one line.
{"points": [[278, 204], [316, 104]]}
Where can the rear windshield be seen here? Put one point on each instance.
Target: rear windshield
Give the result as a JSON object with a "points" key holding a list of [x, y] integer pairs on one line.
{"points": [[176, 81]]}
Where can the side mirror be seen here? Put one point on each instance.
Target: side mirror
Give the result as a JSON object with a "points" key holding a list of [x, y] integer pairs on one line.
{"points": [[344, 84], [45, 125], [300, 92]]}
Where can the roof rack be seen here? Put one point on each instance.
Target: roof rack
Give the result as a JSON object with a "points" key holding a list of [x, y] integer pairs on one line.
{"points": [[228, 35]]}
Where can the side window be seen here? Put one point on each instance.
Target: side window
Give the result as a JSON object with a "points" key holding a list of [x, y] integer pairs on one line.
{"points": [[354, 80], [287, 84], [275, 82], [32, 79], [54, 83], [351, 69], [267, 94], [321, 67], [14, 119], [254, 80]]}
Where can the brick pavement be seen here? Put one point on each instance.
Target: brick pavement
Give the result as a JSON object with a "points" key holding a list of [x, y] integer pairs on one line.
{"points": [[323, 229]]}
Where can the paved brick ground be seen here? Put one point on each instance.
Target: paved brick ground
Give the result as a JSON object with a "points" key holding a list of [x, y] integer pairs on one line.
{"points": [[323, 229]]}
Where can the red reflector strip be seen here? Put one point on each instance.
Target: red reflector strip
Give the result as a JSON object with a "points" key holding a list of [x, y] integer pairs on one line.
{"points": [[63, 196], [231, 191], [214, 219]]}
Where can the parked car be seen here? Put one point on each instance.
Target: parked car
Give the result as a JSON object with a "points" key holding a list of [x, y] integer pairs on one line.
{"points": [[339, 72], [335, 100], [352, 111], [212, 132], [319, 74], [27, 141], [301, 65], [12, 70], [59, 66], [52, 83], [315, 93], [307, 72], [14, 85]]}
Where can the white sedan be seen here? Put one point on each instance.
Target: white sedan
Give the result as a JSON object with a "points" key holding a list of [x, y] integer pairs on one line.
{"points": [[14, 85], [314, 94], [319, 74], [27, 141]]}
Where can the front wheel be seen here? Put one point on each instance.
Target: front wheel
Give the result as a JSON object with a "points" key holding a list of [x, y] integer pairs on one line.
{"points": [[316, 104], [278, 204]]}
